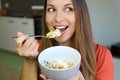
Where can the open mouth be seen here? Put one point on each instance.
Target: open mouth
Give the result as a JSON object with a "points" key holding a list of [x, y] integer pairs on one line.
{"points": [[61, 28]]}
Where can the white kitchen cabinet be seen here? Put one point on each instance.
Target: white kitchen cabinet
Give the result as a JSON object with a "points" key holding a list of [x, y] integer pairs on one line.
{"points": [[9, 26]]}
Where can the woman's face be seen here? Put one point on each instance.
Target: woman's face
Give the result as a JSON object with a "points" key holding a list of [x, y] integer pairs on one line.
{"points": [[60, 14]]}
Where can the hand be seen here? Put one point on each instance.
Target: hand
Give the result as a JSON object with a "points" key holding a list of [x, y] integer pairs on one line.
{"points": [[44, 77], [27, 47], [78, 76]]}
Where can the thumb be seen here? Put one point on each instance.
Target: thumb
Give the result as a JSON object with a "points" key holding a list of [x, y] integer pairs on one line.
{"points": [[78, 76], [19, 34]]}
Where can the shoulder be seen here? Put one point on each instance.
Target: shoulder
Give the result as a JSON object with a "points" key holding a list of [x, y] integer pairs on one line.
{"points": [[104, 63], [101, 51], [103, 54]]}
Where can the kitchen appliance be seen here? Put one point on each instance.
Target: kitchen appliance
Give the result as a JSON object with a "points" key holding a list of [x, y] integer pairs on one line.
{"points": [[37, 26], [37, 13], [115, 49]]}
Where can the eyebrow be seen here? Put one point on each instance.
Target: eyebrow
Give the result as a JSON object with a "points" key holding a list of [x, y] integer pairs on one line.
{"points": [[68, 4], [64, 5], [50, 5]]}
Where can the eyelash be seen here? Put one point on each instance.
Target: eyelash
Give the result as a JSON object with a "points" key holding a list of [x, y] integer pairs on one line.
{"points": [[67, 9], [49, 9]]}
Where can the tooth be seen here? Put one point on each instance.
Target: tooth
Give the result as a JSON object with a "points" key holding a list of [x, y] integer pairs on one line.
{"points": [[61, 27]]}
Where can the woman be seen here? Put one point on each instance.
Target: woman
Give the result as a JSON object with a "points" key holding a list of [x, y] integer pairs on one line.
{"points": [[71, 17]]}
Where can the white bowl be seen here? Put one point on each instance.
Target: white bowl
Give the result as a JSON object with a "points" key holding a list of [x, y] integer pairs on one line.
{"points": [[59, 53]]}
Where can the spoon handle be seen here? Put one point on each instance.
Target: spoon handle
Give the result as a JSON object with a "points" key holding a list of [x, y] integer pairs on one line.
{"points": [[35, 36]]}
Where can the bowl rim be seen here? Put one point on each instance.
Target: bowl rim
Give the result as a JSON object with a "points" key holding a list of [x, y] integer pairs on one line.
{"points": [[78, 63]]}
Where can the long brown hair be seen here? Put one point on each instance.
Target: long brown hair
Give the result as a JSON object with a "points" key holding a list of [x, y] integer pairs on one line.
{"points": [[81, 39]]}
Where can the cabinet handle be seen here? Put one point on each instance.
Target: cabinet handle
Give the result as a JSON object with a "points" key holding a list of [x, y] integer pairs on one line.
{"points": [[25, 23], [11, 21]]}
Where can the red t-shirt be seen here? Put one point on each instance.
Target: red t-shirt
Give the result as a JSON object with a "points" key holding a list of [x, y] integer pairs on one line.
{"points": [[105, 68]]}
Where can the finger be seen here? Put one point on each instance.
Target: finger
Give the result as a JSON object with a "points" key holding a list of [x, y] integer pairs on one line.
{"points": [[33, 53], [29, 53], [49, 79], [28, 43], [36, 52], [21, 40], [76, 77], [19, 34], [33, 45], [81, 76], [32, 49], [17, 45], [43, 77]]}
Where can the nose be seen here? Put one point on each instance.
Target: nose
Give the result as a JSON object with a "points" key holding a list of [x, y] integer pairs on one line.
{"points": [[59, 16]]}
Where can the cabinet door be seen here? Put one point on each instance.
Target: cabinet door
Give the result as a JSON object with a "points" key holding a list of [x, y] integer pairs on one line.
{"points": [[9, 27], [4, 31], [24, 25]]}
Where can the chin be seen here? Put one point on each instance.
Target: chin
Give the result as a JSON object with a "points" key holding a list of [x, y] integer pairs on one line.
{"points": [[62, 41]]}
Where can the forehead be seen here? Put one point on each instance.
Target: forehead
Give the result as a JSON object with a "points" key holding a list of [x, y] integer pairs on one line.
{"points": [[59, 2]]}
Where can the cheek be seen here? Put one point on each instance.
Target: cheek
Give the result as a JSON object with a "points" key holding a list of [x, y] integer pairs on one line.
{"points": [[49, 22], [49, 18], [72, 24], [72, 21]]}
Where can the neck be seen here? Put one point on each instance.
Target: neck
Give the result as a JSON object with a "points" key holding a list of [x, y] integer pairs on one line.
{"points": [[64, 43]]}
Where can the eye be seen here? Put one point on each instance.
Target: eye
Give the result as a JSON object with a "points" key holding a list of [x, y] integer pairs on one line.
{"points": [[50, 9], [69, 9]]}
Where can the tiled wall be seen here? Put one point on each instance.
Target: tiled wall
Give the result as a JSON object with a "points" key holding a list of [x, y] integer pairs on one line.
{"points": [[20, 7]]}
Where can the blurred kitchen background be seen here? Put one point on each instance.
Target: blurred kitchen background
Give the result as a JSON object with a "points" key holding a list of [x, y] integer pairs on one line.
{"points": [[26, 15]]}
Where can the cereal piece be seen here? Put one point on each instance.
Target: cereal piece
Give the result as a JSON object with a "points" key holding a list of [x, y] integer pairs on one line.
{"points": [[53, 34], [54, 64]]}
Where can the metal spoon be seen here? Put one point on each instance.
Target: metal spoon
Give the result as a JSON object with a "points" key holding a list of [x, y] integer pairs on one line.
{"points": [[35, 36]]}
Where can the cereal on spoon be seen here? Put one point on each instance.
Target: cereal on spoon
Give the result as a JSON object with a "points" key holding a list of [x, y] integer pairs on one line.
{"points": [[53, 34]]}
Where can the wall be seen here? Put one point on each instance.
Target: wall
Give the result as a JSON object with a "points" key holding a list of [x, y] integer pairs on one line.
{"points": [[105, 18]]}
